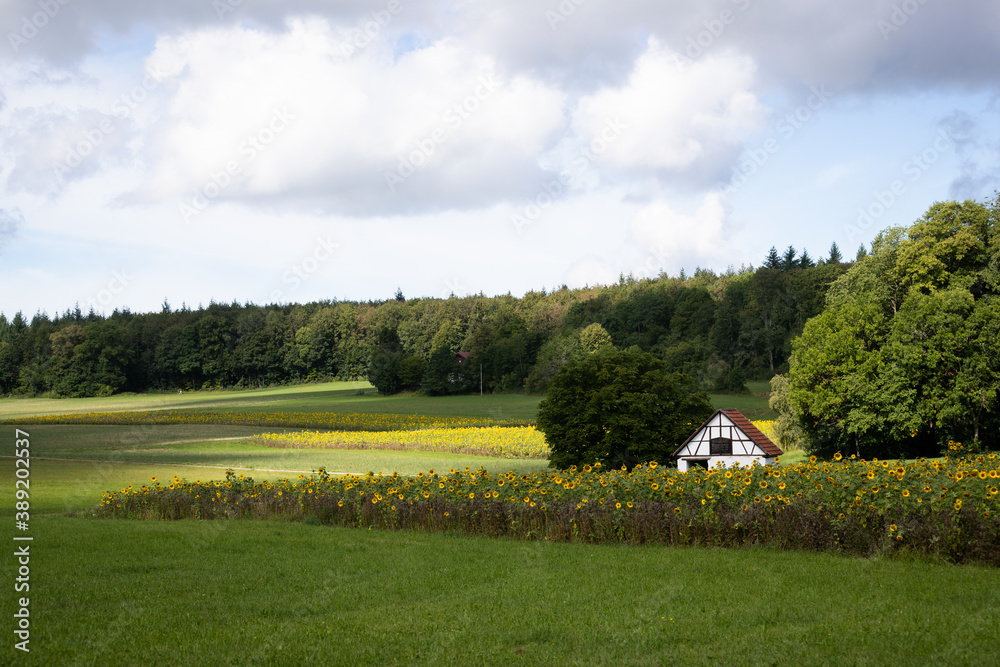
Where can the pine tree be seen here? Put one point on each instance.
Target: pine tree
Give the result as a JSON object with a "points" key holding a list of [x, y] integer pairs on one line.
{"points": [[835, 256], [805, 261], [862, 253], [772, 261], [788, 259]]}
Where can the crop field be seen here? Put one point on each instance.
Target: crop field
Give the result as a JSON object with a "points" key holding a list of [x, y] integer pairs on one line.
{"points": [[369, 583], [947, 509]]}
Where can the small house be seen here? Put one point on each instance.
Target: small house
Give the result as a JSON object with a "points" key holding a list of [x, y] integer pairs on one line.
{"points": [[727, 438]]}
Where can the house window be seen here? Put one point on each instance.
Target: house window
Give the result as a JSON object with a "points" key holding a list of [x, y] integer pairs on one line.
{"points": [[720, 447]]}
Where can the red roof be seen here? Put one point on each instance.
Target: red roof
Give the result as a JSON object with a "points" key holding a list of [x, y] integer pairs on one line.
{"points": [[744, 425], [755, 434]]}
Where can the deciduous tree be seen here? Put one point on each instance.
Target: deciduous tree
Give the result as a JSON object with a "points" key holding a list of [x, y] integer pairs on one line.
{"points": [[619, 407], [904, 357]]}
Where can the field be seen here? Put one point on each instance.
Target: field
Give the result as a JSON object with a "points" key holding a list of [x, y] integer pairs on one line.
{"points": [[113, 591]]}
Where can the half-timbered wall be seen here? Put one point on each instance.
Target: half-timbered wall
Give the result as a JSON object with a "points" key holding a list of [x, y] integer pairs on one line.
{"points": [[745, 452]]}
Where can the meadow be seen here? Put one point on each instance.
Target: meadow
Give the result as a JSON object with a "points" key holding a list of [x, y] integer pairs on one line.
{"points": [[280, 591]]}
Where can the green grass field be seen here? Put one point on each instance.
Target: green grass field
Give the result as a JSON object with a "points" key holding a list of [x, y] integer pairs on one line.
{"points": [[276, 593], [329, 397], [238, 593]]}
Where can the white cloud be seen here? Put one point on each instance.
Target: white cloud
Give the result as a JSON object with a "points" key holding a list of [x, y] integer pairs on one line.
{"points": [[590, 271], [52, 146], [675, 116], [676, 240], [439, 127], [10, 222]]}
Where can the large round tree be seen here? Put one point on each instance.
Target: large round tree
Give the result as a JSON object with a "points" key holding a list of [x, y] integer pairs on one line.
{"points": [[906, 355], [619, 407]]}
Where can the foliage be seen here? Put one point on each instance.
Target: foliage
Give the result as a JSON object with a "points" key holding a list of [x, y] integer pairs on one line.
{"points": [[444, 374], [555, 354], [393, 372], [944, 508], [788, 433], [906, 355], [733, 381], [594, 337], [619, 407]]}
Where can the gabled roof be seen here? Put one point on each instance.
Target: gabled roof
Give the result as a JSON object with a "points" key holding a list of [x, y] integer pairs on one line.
{"points": [[740, 422]]}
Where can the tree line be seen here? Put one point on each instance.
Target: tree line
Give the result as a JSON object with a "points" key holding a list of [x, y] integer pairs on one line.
{"points": [[720, 328]]}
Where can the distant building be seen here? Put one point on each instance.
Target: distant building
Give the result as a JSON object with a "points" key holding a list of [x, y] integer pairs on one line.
{"points": [[727, 438], [462, 358]]}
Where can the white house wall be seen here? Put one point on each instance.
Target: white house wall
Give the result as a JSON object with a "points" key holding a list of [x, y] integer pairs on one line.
{"points": [[729, 462], [722, 427]]}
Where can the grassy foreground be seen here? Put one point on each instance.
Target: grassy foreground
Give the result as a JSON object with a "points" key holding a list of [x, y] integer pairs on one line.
{"points": [[244, 592]]}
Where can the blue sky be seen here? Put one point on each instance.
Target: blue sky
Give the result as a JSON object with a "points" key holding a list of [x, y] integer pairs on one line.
{"points": [[304, 150]]}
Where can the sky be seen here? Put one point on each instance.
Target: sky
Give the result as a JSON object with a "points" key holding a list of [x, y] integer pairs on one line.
{"points": [[291, 151]]}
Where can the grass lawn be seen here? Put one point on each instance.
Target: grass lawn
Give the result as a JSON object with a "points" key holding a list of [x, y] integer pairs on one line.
{"points": [[269, 592]]}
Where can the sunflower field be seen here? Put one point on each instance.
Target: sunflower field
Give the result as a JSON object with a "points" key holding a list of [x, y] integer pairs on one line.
{"points": [[512, 442], [519, 442], [944, 508]]}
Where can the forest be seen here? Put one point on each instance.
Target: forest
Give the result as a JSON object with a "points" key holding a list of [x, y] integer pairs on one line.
{"points": [[722, 329]]}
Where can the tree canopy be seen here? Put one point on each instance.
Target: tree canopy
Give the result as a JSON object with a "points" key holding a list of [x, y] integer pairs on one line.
{"points": [[619, 407], [905, 357], [719, 328]]}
